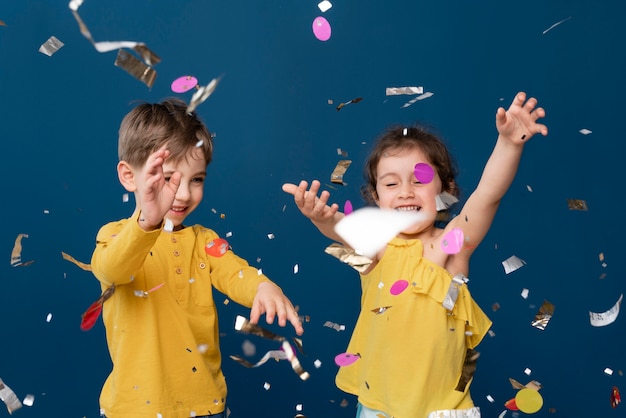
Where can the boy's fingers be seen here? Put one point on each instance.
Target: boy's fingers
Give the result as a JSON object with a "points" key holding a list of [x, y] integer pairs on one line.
{"points": [[255, 313], [290, 188]]}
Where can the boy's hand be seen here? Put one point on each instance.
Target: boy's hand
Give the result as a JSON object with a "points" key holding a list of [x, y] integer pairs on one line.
{"points": [[314, 208], [271, 301], [519, 123], [156, 194]]}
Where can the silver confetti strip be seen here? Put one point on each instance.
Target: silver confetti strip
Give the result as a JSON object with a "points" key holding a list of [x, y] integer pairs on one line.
{"points": [[51, 46], [9, 398], [453, 291]]}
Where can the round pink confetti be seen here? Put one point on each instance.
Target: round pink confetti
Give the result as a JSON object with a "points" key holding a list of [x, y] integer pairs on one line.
{"points": [[347, 208], [321, 28], [184, 84], [217, 248], [398, 287], [424, 173], [452, 242], [346, 359]]}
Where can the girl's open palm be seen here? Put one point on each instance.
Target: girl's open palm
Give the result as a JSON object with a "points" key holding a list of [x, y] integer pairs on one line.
{"points": [[519, 123]]}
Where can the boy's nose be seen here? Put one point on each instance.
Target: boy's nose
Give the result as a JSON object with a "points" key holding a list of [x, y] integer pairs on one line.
{"points": [[183, 192]]}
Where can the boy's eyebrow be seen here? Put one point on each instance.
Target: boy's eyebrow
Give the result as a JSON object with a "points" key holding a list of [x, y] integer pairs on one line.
{"points": [[199, 173]]}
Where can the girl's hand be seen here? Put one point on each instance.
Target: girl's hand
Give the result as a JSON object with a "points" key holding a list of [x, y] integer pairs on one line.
{"points": [[519, 123], [313, 207]]}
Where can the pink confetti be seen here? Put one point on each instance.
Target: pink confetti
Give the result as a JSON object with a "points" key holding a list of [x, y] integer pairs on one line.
{"points": [[452, 242], [424, 173], [347, 208], [184, 84], [346, 359], [321, 28], [398, 287]]}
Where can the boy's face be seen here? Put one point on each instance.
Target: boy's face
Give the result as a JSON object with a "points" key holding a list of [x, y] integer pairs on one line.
{"points": [[397, 188], [192, 169]]}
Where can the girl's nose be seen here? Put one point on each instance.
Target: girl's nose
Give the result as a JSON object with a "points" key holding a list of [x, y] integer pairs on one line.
{"points": [[406, 191]]}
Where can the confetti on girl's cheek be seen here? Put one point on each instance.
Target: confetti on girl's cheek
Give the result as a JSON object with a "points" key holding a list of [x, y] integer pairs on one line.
{"points": [[424, 173], [452, 241], [346, 359], [398, 287], [217, 248], [321, 28]]}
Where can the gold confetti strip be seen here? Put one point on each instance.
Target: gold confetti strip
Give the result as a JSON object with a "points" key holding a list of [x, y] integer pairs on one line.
{"points": [[380, 310], [84, 266], [16, 253], [341, 105], [202, 94], [577, 204], [272, 354], [9, 398], [141, 71], [346, 255], [340, 169], [543, 316], [243, 325]]}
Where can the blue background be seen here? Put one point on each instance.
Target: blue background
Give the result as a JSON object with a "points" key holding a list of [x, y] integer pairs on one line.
{"points": [[273, 123]]}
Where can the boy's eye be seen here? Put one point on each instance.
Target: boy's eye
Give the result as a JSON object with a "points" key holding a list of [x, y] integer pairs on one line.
{"points": [[167, 178], [198, 180]]}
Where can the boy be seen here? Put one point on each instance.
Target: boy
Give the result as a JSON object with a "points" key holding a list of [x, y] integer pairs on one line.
{"points": [[161, 322]]}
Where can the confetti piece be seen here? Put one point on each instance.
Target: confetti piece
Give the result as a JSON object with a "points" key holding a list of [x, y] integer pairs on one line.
{"points": [[527, 371], [169, 225], [525, 293], [270, 236], [29, 400], [16, 253], [2, 23], [453, 292], [49, 317], [398, 287], [347, 208], [324, 5], [51, 46], [605, 318], [340, 169], [135, 67], [184, 84], [585, 131], [369, 229], [272, 354], [512, 263], [321, 28], [395, 91], [335, 326], [424, 173], [543, 316], [143, 71], [86, 267], [317, 363], [144, 293], [346, 255], [296, 268], [452, 242], [420, 97], [295, 363], [608, 371], [528, 401], [125, 198], [577, 204], [380, 310], [346, 359], [243, 325], [615, 397], [90, 316], [202, 94], [341, 105], [444, 200], [9, 398], [217, 248], [556, 24]]}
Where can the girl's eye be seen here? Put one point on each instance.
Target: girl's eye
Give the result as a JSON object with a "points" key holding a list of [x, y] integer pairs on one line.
{"points": [[390, 184]]}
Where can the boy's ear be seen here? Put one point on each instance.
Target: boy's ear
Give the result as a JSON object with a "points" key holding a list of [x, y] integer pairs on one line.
{"points": [[126, 175]]}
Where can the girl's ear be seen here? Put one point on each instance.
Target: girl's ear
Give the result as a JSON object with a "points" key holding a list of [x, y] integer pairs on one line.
{"points": [[126, 176], [375, 197]]}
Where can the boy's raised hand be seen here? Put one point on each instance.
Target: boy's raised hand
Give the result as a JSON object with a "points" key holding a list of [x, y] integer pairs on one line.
{"points": [[155, 192], [272, 302], [519, 123], [313, 207]]}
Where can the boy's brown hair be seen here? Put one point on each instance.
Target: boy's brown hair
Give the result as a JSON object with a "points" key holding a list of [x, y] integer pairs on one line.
{"points": [[148, 127]]}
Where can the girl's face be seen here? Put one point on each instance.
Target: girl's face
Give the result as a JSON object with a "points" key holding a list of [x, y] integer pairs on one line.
{"points": [[398, 189]]}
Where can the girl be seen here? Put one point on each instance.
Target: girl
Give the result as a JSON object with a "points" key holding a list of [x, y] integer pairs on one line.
{"points": [[416, 357]]}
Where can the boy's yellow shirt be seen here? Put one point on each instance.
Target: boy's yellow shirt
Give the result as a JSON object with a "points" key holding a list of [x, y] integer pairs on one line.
{"points": [[164, 344]]}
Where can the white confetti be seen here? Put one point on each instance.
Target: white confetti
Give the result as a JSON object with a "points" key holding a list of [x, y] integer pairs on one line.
{"points": [[585, 131], [29, 400], [601, 319], [169, 225], [295, 269], [49, 317], [266, 386], [51, 46], [490, 399], [229, 234], [317, 364], [299, 407], [527, 371], [608, 372], [125, 197], [556, 24], [324, 5], [525, 293], [270, 236], [512, 263]]}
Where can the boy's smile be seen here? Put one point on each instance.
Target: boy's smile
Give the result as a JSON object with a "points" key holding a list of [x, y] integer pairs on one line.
{"points": [[191, 190]]}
